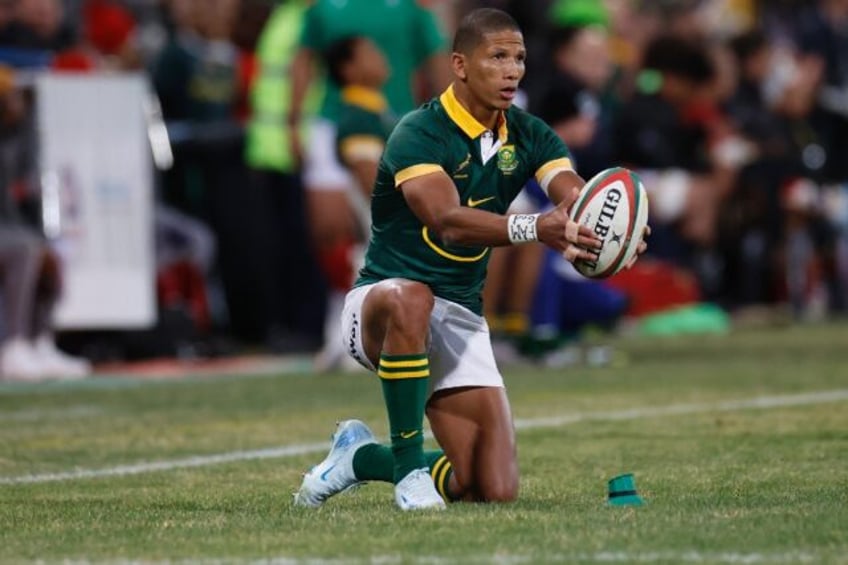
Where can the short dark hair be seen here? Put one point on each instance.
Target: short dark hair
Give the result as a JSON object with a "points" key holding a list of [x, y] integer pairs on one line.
{"points": [[679, 57], [477, 24], [338, 54]]}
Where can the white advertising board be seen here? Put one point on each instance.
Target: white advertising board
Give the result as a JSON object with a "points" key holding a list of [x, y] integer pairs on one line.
{"points": [[97, 183]]}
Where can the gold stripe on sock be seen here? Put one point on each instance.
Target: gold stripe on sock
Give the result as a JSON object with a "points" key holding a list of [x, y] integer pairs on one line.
{"points": [[403, 364], [434, 472], [440, 482], [403, 374]]}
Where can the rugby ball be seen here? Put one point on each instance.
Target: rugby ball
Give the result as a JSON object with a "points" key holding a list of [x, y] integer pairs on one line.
{"points": [[614, 205]]}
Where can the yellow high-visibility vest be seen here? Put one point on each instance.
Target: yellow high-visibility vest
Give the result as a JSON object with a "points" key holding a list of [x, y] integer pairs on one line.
{"points": [[267, 143]]}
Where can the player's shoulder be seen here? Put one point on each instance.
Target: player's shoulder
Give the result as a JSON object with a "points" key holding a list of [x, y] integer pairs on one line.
{"points": [[427, 118], [525, 123]]}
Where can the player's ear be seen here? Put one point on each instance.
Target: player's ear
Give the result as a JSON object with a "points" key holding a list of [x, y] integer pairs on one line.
{"points": [[458, 65]]}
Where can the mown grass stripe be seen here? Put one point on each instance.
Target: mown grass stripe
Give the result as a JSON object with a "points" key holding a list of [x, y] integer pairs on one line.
{"points": [[760, 402]]}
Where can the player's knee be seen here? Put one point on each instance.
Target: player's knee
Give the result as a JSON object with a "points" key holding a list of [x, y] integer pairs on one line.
{"points": [[410, 305]]}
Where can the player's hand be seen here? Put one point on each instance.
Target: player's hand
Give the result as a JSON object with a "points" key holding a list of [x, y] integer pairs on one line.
{"points": [[558, 231], [643, 246]]}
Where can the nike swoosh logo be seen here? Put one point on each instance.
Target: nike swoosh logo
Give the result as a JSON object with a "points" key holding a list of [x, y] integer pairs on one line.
{"points": [[474, 203], [324, 474], [408, 435]]}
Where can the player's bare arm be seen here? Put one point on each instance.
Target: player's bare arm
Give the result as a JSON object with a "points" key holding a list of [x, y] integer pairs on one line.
{"points": [[435, 201], [365, 173], [301, 76]]}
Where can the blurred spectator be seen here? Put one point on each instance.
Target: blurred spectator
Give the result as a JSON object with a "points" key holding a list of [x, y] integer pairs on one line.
{"points": [[823, 35], [357, 66], [661, 134], [772, 100], [37, 24], [195, 77], [29, 272], [294, 297], [412, 40], [511, 284], [573, 103], [564, 306], [7, 16], [108, 29]]}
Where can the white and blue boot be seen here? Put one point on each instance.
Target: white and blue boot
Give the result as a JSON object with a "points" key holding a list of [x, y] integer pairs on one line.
{"points": [[416, 491], [335, 473]]}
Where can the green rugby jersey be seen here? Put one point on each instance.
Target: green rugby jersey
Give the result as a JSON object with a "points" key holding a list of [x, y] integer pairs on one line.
{"points": [[443, 136], [364, 125]]}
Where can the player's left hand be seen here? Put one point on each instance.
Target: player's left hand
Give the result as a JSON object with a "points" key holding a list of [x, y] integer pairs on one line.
{"points": [[558, 231], [582, 242]]}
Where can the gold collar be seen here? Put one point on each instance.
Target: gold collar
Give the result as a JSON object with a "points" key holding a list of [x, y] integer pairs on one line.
{"points": [[466, 122]]}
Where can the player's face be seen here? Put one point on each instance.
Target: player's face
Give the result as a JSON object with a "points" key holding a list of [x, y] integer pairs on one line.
{"points": [[369, 64], [494, 69]]}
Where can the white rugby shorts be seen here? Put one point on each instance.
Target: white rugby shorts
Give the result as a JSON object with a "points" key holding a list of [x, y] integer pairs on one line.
{"points": [[460, 350], [321, 168]]}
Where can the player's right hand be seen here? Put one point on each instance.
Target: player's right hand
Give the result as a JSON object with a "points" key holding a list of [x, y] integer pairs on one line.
{"points": [[558, 231]]}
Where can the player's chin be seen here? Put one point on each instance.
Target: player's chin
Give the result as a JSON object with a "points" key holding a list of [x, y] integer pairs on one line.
{"points": [[502, 103]]}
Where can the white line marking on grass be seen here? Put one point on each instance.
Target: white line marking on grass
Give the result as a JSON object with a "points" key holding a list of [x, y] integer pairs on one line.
{"points": [[681, 556], [197, 461], [64, 413], [760, 402]]}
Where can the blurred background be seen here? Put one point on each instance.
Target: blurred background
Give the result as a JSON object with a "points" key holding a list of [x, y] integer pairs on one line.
{"points": [[153, 201]]}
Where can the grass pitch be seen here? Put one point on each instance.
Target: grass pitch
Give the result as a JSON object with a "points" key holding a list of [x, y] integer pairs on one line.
{"points": [[739, 445]]}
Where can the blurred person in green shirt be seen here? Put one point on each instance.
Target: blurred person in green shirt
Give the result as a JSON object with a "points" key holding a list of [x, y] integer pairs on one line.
{"points": [[412, 40]]}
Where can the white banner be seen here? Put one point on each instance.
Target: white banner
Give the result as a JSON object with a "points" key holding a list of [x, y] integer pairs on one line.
{"points": [[97, 182]]}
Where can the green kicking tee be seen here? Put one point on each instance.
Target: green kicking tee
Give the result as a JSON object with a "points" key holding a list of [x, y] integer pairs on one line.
{"points": [[488, 168]]}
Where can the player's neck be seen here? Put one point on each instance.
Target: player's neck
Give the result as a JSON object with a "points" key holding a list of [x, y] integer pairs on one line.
{"points": [[483, 114]]}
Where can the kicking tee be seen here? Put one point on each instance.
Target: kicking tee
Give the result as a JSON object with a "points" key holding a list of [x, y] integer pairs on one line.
{"points": [[488, 168]]}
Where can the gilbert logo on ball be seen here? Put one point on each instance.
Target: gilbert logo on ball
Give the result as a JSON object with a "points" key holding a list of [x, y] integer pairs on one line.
{"points": [[614, 205], [622, 491]]}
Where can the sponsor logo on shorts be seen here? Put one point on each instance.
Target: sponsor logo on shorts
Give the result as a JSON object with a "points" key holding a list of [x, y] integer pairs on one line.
{"points": [[351, 342]]}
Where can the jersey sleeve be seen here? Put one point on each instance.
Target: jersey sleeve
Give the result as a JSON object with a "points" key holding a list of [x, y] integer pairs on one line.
{"points": [[414, 149], [360, 137], [430, 38], [552, 156]]}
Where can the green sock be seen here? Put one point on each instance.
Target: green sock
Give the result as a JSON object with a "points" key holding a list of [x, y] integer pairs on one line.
{"points": [[405, 388], [375, 462]]}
